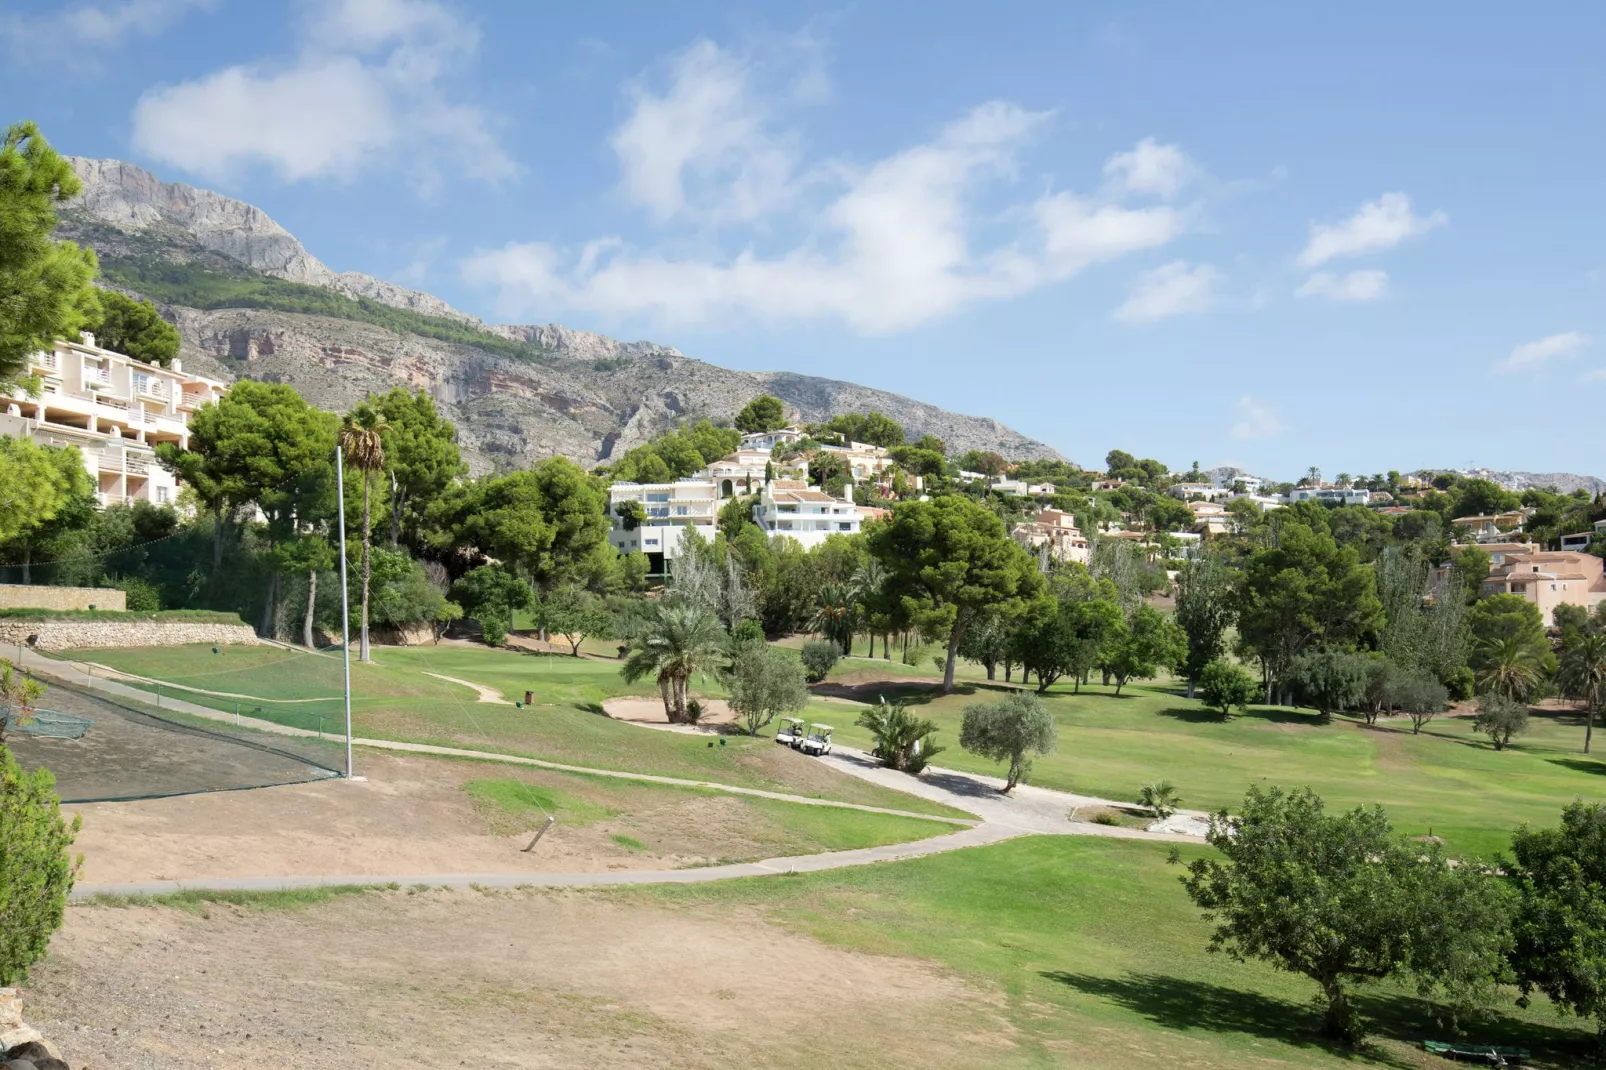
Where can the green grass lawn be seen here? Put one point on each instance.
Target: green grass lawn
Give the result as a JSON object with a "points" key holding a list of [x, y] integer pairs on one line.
{"points": [[1099, 958], [1447, 779], [393, 698]]}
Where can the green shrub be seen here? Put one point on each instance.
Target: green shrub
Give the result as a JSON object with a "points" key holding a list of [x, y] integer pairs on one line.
{"points": [[140, 597], [1161, 798], [493, 630], [1224, 686], [819, 655], [902, 740], [914, 655], [36, 870], [748, 631]]}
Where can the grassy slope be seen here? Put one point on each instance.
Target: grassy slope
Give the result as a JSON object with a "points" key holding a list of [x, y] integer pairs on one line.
{"points": [[1099, 955], [394, 699], [1446, 779]]}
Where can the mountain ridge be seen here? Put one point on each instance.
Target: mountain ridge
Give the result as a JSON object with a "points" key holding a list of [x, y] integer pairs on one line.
{"points": [[543, 390]]}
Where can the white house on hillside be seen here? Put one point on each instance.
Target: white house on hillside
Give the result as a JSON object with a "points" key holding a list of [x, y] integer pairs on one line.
{"points": [[1330, 495], [115, 409], [809, 515], [768, 440], [1207, 492], [671, 509]]}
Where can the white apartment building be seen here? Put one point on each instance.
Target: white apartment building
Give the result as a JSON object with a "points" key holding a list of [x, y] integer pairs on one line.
{"points": [[1252, 484], [768, 440], [1330, 495], [1019, 488], [671, 509], [809, 515], [1199, 491], [1580, 540], [1054, 532], [114, 409]]}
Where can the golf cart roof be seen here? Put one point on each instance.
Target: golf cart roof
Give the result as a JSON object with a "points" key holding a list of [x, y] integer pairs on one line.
{"points": [[791, 720], [827, 727]]}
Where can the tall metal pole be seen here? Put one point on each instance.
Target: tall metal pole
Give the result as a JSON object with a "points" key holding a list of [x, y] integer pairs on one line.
{"points": [[345, 596]]}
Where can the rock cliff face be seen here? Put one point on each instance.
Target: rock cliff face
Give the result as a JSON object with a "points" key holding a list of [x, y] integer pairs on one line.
{"points": [[589, 398]]}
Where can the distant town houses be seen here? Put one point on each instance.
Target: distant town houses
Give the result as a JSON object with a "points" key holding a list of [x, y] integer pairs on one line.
{"points": [[805, 513], [1053, 532], [115, 409], [1580, 540], [671, 510], [1329, 495]]}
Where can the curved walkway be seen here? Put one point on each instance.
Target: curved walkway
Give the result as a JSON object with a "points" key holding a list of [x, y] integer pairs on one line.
{"points": [[486, 694]]}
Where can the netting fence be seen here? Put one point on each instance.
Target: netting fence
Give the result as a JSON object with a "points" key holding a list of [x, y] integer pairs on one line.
{"points": [[128, 749]]}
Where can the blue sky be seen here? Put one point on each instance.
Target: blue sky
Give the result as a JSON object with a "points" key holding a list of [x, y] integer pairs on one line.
{"points": [[1361, 238]]}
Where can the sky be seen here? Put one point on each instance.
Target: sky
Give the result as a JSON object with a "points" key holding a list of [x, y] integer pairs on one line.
{"points": [[1361, 237]]}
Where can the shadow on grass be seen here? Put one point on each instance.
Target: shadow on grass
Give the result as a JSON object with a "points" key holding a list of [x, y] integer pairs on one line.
{"points": [[1174, 1003], [1269, 714], [1580, 765], [905, 691]]}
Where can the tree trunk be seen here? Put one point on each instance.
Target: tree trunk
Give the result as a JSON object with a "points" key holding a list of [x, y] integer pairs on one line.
{"points": [[396, 502], [312, 604], [1191, 684], [1338, 1022], [953, 654], [1589, 728], [991, 669], [1014, 775], [367, 568], [1120, 681], [669, 703], [27, 562], [265, 628], [217, 539]]}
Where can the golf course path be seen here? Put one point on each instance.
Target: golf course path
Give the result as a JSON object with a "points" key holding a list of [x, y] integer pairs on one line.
{"points": [[486, 694], [1028, 808], [970, 837]]}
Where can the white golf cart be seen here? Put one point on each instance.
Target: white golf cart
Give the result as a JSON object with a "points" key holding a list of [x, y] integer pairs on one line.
{"points": [[818, 741], [790, 733]]}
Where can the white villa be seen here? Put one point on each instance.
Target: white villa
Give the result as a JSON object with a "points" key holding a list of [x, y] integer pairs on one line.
{"points": [[768, 440], [807, 514], [742, 472], [671, 509], [1207, 492], [114, 409], [1053, 531], [1330, 495]]}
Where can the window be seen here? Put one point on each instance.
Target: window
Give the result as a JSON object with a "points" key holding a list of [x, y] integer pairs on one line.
{"points": [[161, 495], [844, 526]]}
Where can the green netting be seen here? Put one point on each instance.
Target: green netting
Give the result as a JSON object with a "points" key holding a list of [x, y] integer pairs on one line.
{"points": [[47, 724], [133, 751]]}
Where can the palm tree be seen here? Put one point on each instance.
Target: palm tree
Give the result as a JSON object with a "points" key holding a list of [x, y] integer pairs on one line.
{"points": [[836, 616], [673, 640], [1582, 677], [868, 579], [1510, 668], [362, 442]]}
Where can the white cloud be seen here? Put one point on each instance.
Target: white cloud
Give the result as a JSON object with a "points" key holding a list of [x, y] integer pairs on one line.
{"points": [[1596, 376], [1151, 168], [711, 131], [1368, 285], [100, 25], [364, 91], [1255, 420], [881, 247], [1532, 354], [1377, 225], [1170, 290]]}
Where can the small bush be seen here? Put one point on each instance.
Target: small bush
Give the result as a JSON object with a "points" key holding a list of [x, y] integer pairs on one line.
{"points": [[1224, 686], [1500, 719], [914, 655], [819, 655], [1161, 798], [1104, 817], [494, 631], [138, 596], [36, 870], [694, 710], [748, 631]]}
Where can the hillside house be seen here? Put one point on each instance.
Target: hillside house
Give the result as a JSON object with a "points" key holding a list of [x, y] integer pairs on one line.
{"points": [[1580, 540], [1201, 492], [1054, 532], [672, 509], [115, 409], [1549, 579], [793, 508]]}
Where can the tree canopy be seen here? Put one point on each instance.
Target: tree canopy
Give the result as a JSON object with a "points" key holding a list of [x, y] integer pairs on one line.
{"points": [[764, 413], [134, 328]]}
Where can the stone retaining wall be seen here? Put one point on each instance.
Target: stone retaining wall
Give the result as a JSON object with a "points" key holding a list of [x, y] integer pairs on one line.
{"points": [[19, 596], [69, 634]]}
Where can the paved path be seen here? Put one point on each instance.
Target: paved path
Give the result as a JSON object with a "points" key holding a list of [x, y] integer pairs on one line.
{"points": [[971, 837], [1027, 808], [486, 694]]}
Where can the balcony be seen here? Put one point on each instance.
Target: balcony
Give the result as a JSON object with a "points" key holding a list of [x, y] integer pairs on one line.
{"points": [[48, 363], [146, 387]]}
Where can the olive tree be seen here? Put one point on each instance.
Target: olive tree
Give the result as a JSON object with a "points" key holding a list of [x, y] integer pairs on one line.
{"points": [[1343, 900], [764, 683], [1007, 731]]}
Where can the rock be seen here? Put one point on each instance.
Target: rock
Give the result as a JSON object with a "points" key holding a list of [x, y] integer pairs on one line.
{"points": [[16, 1037], [19, 1064], [10, 1009], [42, 1053]]}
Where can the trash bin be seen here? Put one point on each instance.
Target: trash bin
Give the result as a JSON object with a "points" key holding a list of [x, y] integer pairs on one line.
{"points": [[529, 698]]}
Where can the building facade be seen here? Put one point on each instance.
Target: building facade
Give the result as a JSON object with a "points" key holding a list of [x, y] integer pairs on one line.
{"points": [[115, 409], [1549, 579], [1053, 532], [672, 509], [793, 508]]}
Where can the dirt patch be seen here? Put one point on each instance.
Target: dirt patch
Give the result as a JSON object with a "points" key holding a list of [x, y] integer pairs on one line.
{"points": [[413, 816], [446, 979], [717, 714]]}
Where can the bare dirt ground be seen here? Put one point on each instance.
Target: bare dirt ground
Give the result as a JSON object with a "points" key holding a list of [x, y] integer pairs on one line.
{"points": [[518, 979], [413, 816]]}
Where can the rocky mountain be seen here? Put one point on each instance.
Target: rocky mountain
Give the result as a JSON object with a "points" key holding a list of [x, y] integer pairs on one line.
{"points": [[251, 302], [1566, 482]]}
